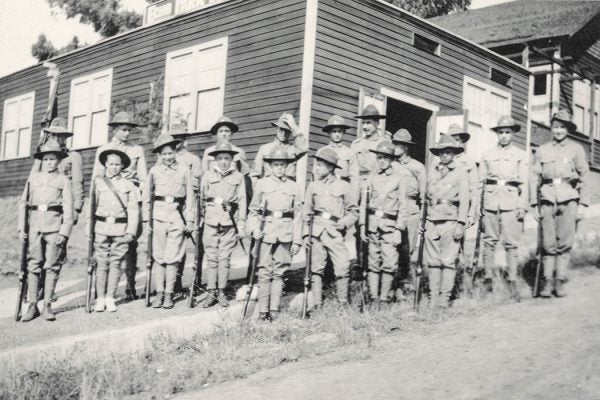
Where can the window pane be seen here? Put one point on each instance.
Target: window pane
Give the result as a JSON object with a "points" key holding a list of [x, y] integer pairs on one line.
{"points": [[81, 131], [25, 112], [10, 117], [474, 100], [24, 141], [210, 68], [10, 144], [80, 98], [540, 85], [181, 74], [209, 108], [99, 128], [100, 93], [180, 108]]}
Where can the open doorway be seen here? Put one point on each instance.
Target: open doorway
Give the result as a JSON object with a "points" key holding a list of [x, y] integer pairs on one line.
{"points": [[410, 117]]}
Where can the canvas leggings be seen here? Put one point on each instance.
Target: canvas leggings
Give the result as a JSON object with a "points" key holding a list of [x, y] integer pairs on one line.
{"points": [[110, 258], [43, 255], [219, 243], [274, 260], [408, 257], [558, 230], [504, 227], [383, 264], [168, 250]]}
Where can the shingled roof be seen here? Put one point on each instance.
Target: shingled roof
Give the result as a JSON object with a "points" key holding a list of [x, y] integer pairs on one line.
{"points": [[520, 21]]}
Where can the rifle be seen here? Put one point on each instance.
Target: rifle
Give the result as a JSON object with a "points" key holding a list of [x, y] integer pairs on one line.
{"points": [[199, 246], [308, 258], [421, 244], [24, 247], [536, 283], [474, 267], [91, 261], [364, 245], [230, 212], [255, 255], [150, 232]]}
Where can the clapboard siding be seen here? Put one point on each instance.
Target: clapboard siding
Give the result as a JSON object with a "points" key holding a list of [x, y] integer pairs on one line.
{"points": [[363, 43], [264, 68]]}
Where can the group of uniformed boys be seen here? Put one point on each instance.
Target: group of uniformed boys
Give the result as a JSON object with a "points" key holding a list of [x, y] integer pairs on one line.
{"points": [[374, 189]]}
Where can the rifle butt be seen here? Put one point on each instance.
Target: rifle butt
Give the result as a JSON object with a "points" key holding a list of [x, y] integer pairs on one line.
{"points": [[22, 290], [148, 284], [88, 292]]}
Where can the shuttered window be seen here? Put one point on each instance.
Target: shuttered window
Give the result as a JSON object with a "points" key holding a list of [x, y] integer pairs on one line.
{"points": [[17, 124], [195, 84], [89, 109], [484, 104], [582, 97]]}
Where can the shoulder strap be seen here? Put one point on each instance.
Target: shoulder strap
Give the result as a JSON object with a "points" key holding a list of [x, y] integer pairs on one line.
{"points": [[114, 192]]}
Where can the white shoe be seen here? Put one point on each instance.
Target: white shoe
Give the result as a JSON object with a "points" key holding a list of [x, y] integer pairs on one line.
{"points": [[110, 304], [100, 305]]}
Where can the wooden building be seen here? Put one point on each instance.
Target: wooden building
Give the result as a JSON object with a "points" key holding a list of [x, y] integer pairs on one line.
{"points": [[559, 41], [253, 60]]}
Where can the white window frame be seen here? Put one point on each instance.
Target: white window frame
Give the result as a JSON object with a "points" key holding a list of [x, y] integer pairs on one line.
{"points": [[192, 118], [476, 146], [18, 99], [105, 105], [582, 98]]}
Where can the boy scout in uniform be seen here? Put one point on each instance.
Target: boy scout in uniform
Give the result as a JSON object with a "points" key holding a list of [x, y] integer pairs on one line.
{"points": [[387, 220], [414, 180], [224, 195], [287, 131], [334, 205], [347, 165], [173, 216], [371, 137], [561, 170], [116, 223], [51, 220], [122, 124], [504, 170], [448, 203], [282, 232]]}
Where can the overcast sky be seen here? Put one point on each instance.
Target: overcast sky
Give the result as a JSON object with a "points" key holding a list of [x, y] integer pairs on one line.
{"points": [[21, 21]]}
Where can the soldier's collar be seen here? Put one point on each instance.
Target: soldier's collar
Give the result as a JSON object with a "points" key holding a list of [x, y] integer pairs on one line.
{"points": [[335, 145], [172, 166], [450, 165], [388, 171], [118, 142], [221, 172], [54, 171], [276, 179], [329, 178], [113, 176], [405, 159], [561, 143]]}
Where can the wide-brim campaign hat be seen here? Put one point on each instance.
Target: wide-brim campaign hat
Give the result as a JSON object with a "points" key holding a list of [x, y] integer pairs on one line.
{"points": [[279, 154], [281, 122], [164, 140], [335, 121], [123, 118], [370, 112], [58, 126], [224, 121], [125, 160], [402, 136], [50, 147], [507, 121], [385, 148], [223, 147], [566, 118], [180, 131], [446, 142], [456, 129], [328, 155]]}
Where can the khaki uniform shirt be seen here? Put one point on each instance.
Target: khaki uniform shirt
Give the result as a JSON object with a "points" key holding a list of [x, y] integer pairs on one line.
{"points": [[71, 167], [452, 187], [366, 160], [414, 180], [262, 169], [335, 197], [48, 189], [108, 206], [504, 164], [348, 165], [222, 187], [565, 160], [388, 195], [239, 160], [280, 195], [171, 181], [136, 172]]}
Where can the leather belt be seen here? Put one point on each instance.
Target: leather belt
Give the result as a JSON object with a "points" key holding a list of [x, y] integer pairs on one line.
{"points": [[501, 182], [382, 214], [170, 199], [436, 202], [111, 220], [363, 173], [326, 215], [218, 201], [46, 207], [278, 213], [556, 181]]}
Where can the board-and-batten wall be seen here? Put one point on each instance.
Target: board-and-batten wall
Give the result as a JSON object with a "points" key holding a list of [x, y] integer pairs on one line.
{"points": [[264, 67], [357, 47]]}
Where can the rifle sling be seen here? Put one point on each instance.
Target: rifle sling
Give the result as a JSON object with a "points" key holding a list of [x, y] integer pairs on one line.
{"points": [[114, 192]]}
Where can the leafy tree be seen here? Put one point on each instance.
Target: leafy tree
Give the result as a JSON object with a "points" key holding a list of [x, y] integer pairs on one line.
{"points": [[106, 16], [43, 49], [431, 8]]}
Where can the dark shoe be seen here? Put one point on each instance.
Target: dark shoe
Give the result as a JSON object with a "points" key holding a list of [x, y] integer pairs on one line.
{"points": [[158, 300], [47, 312], [32, 313], [559, 288], [168, 302], [264, 316], [488, 285], [222, 299], [130, 295], [547, 290], [211, 299]]}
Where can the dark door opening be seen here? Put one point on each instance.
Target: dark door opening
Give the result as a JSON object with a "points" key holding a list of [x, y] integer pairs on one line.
{"points": [[414, 119]]}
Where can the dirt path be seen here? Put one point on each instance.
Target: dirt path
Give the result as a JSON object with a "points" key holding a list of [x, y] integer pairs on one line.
{"points": [[538, 349]]}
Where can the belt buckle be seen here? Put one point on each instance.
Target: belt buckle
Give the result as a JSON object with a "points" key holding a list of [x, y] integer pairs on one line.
{"points": [[169, 199], [379, 213], [556, 181], [277, 214], [218, 200], [43, 207], [501, 182], [326, 215], [111, 220]]}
